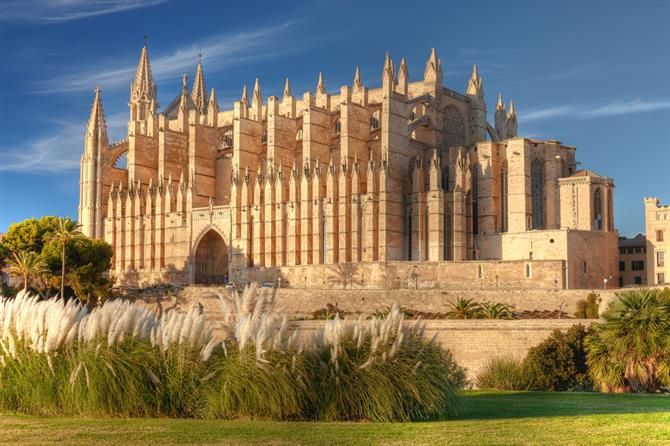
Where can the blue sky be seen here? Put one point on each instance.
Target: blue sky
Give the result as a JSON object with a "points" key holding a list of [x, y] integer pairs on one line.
{"points": [[593, 74]]}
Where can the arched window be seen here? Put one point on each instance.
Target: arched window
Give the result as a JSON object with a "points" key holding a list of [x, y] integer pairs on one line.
{"points": [[597, 210], [264, 138], [409, 235], [447, 236], [537, 191], [227, 139], [337, 128], [445, 179], [610, 211], [298, 135], [503, 197], [475, 199], [374, 121]]}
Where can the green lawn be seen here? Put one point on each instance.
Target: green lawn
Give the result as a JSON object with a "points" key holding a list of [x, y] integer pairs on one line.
{"points": [[488, 418]]}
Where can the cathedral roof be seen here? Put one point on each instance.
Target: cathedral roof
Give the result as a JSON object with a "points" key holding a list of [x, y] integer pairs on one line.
{"points": [[173, 107], [587, 173]]}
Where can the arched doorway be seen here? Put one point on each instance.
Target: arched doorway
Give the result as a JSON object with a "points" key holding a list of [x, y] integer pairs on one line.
{"points": [[211, 259]]}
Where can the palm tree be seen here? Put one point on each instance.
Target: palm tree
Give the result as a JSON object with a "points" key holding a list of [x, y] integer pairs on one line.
{"points": [[463, 308], [67, 230], [630, 351], [490, 310], [26, 264]]}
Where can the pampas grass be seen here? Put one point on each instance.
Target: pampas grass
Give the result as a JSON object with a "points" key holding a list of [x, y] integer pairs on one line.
{"points": [[120, 359]]}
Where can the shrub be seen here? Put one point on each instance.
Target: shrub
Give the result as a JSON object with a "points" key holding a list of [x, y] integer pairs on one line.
{"points": [[381, 370], [588, 308], [559, 363], [463, 308], [630, 351], [59, 357], [505, 373], [489, 310]]}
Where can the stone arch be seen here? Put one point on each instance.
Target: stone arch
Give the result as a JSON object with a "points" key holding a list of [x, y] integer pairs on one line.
{"points": [[120, 160], [210, 257]]}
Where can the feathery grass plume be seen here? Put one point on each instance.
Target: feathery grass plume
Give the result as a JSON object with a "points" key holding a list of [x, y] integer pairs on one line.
{"points": [[381, 370]]}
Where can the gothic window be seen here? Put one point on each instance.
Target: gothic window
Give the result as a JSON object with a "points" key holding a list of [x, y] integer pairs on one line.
{"points": [[337, 128], [445, 179], [227, 139], [475, 199], [537, 194], [409, 235], [503, 197], [324, 240], [374, 121], [447, 238], [597, 210], [454, 127], [298, 135], [610, 211], [264, 138]]}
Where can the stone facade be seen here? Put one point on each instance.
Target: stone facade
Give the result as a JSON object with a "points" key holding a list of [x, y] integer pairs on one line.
{"points": [[409, 176], [632, 260], [657, 222]]}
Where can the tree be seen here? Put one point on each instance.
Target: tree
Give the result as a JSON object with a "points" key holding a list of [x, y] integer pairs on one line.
{"points": [[559, 362], [630, 351], [88, 261], [26, 264], [66, 230], [463, 308], [29, 235]]}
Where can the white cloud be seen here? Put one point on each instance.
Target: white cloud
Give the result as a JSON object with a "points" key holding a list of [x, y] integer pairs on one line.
{"points": [[53, 11], [218, 51], [595, 111], [59, 150]]}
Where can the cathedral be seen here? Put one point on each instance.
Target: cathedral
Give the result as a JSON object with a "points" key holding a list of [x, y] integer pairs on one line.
{"points": [[404, 185]]}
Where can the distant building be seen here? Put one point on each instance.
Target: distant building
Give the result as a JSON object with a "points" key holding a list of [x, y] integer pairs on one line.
{"points": [[657, 221], [632, 260]]}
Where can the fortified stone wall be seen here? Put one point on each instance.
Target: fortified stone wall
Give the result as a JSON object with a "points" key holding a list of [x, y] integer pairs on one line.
{"points": [[471, 275]]}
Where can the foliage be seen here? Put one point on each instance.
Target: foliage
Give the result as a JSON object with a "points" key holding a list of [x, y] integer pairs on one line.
{"points": [[61, 357], [505, 373], [490, 310], [463, 308], [588, 308], [66, 231], [30, 235], [559, 363], [630, 351], [88, 260], [28, 265]]}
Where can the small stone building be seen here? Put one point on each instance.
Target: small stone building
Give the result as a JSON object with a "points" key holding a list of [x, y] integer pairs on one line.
{"points": [[403, 184], [657, 222]]}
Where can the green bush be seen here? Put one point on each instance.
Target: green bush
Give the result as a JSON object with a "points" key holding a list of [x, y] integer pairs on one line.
{"points": [[559, 363], [505, 373], [630, 351], [588, 308]]}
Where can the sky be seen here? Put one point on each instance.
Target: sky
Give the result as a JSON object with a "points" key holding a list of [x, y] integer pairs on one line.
{"points": [[591, 74]]}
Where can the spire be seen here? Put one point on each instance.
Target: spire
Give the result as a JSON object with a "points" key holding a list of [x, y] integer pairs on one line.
{"points": [[183, 101], [475, 86], [500, 105], [212, 100], [512, 111], [388, 68], [257, 102], [198, 94], [433, 72], [257, 99], [357, 79], [287, 89], [403, 77], [97, 126], [142, 90], [245, 96], [320, 87]]}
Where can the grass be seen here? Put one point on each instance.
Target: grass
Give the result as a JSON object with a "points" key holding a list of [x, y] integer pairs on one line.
{"points": [[487, 418]]}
